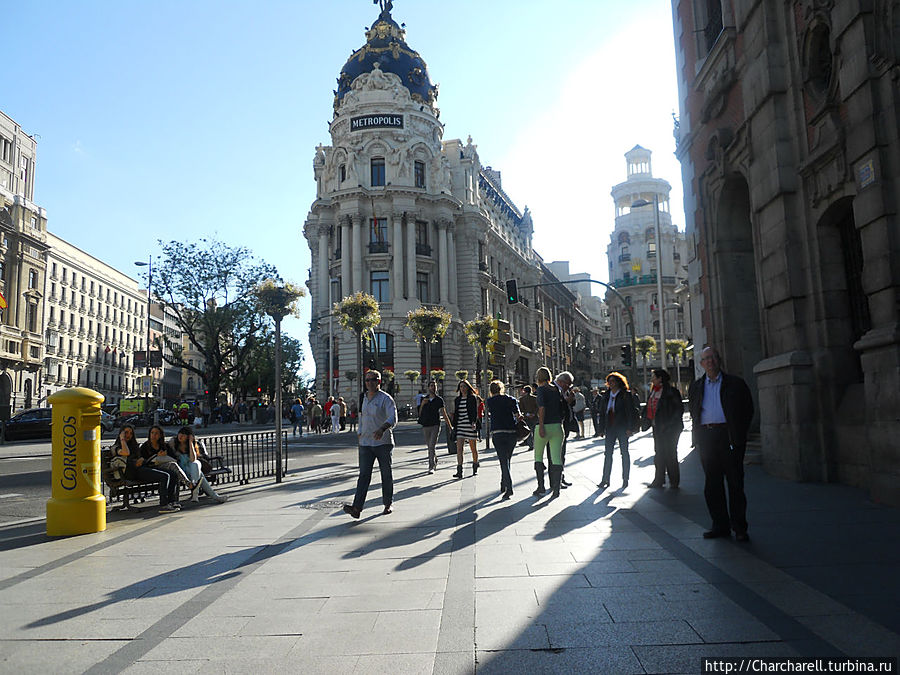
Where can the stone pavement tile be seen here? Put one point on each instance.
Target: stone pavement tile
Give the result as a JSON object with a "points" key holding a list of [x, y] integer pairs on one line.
{"points": [[586, 603], [361, 585], [308, 665], [54, 656], [686, 658], [548, 583], [379, 603], [76, 628], [640, 609], [748, 568], [539, 568], [348, 642], [517, 633], [307, 623], [409, 620], [642, 579], [213, 626], [233, 605], [454, 663], [237, 647], [739, 627], [795, 598], [854, 634], [181, 667], [672, 571], [498, 567], [573, 632], [390, 664], [618, 660]]}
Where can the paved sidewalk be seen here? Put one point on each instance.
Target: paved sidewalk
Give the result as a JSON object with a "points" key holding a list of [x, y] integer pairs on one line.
{"points": [[454, 581]]}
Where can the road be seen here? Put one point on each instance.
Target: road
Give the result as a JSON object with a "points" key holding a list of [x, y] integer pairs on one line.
{"points": [[25, 466]]}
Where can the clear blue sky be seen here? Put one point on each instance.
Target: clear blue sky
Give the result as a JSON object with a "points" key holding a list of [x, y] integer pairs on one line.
{"points": [[165, 120]]}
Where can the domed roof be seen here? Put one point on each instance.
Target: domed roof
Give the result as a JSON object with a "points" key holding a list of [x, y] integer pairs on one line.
{"points": [[386, 45]]}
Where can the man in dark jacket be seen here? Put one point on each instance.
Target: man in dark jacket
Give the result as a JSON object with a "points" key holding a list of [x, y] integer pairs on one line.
{"points": [[721, 410]]}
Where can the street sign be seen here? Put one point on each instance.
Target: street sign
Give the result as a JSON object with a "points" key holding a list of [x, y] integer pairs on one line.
{"points": [[156, 359], [146, 384]]}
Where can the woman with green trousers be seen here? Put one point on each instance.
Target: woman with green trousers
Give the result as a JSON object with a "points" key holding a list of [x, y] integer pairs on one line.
{"points": [[549, 433]]}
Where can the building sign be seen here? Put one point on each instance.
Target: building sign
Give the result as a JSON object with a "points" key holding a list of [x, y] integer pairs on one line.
{"points": [[866, 174], [376, 122]]}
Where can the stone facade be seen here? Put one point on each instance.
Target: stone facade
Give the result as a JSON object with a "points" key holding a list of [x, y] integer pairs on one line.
{"points": [[414, 220], [790, 145], [636, 257], [23, 246]]}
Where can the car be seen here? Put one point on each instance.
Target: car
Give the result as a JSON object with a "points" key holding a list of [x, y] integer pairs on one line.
{"points": [[107, 421], [34, 423]]}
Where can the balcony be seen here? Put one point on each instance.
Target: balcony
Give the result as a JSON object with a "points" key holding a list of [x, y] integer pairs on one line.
{"points": [[337, 254], [651, 254], [423, 249], [482, 266], [379, 247], [625, 257]]}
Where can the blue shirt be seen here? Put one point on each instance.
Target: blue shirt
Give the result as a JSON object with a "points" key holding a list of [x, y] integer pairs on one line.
{"points": [[711, 412]]}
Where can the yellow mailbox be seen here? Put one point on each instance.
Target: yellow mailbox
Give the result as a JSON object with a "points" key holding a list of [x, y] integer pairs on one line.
{"points": [[77, 504]]}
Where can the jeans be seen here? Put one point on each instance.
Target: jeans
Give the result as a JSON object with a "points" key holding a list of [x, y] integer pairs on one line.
{"points": [[504, 444], [367, 456], [168, 485], [431, 437], [612, 435]]}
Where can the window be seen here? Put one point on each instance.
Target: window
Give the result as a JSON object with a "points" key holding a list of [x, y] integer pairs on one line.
{"points": [[651, 249], [377, 230], [381, 289], [382, 356], [377, 171], [420, 174], [65, 275], [31, 317], [421, 233], [343, 172], [62, 295], [422, 286], [32, 278]]}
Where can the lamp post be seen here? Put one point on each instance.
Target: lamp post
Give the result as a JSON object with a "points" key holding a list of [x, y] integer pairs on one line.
{"points": [[277, 309], [659, 291], [149, 266]]}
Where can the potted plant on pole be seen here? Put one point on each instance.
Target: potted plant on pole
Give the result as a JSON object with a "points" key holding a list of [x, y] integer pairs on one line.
{"points": [[358, 313]]}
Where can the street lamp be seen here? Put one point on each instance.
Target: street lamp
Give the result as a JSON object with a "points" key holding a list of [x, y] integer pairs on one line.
{"points": [[149, 266], [659, 292]]}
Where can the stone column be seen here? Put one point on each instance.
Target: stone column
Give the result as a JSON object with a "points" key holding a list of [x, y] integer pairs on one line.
{"points": [[323, 265], [397, 274], [346, 256], [357, 262], [452, 265], [443, 262], [410, 259]]}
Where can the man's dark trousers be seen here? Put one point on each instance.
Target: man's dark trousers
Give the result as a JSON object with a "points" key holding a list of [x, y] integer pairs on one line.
{"points": [[723, 463], [367, 456]]}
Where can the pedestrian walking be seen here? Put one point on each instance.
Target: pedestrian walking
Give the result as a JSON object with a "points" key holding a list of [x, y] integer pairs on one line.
{"points": [[315, 414], [343, 406], [549, 433], [431, 409], [377, 418], [335, 417], [578, 408], [721, 410], [465, 421], [529, 408], [297, 418], [504, 412], [664, 412], [619, 419]]}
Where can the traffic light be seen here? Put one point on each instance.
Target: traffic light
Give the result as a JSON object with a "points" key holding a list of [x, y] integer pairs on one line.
{"points": [[512, 291], [626, 354]]}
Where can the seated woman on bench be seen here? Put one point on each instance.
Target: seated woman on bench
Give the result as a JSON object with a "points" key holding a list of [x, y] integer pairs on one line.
{"points": [[139, 471], [187, 451]]}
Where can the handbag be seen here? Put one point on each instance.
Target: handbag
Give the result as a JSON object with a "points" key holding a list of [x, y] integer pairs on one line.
{"points": [[523, 431]]}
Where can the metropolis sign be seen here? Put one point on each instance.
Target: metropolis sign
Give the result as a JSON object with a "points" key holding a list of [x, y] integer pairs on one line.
{"points": [[376, 122]]}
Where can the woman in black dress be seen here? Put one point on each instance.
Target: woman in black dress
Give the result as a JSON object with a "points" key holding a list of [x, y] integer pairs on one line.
{"points": [[465, 415]]}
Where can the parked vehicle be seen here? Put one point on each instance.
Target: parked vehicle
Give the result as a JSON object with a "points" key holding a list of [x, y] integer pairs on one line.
{"points": [[107, 421], [34, 423]]}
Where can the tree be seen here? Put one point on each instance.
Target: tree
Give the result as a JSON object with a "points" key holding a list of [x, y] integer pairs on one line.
{"points": [[481, 335], [359, 313], [645, 345], [676, 350], [208, 287], [428, 324], [259, 368]]}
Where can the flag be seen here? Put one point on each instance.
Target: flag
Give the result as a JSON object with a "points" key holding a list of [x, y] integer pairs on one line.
{"points": [[3, 304], [107, 349]]}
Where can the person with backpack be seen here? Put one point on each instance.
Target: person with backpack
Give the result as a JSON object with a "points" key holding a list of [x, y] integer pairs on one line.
{"points": [[619, 418]]}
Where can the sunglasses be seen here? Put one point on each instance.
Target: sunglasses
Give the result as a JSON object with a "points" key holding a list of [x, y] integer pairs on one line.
{"points": [[372, 379]]}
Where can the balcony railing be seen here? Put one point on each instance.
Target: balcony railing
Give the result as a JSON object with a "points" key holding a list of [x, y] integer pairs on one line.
{"points": [[337, 254], [378, 247], [482, 266], [651, 254], [625, 257], [423, 249]]}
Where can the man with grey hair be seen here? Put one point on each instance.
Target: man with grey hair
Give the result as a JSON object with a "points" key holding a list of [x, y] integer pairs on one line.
{"points": [[377, 418], [721, 410]]}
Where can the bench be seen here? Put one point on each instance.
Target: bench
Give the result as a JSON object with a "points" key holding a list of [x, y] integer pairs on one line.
{"points": [[130, 490]]}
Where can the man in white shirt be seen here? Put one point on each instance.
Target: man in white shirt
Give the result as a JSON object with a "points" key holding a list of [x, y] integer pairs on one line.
{"points": [[377, 418], [721, 410]]}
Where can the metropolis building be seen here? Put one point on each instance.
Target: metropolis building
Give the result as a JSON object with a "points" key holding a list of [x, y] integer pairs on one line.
{"points": [[414, 219], [789, 138]]}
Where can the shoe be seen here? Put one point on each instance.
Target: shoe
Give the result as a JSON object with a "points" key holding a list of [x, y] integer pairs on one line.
{"points": [[458, 473], [509, 493], [741, 536], [603, 484], [430, 471], [506, 495], [474, 468], [220, 499], [655, 484], [624, 484], [195, 494], [563, 481], [387, 510], [351, 510], [716, 534], [169, 508], [673, 486], [177, 505]]}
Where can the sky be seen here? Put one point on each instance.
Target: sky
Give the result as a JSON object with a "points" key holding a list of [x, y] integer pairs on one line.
{"points": [[195, 118]]}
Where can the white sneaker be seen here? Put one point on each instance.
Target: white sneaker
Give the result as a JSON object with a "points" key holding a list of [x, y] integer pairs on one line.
{"points": [[221, 499], [195, 494], [169, 508]]}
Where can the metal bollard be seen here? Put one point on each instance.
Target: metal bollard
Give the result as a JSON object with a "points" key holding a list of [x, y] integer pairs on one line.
{"points": [[77, 504]]}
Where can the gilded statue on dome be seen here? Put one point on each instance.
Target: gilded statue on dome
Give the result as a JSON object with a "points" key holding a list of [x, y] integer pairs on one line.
{"points": [[386, 5]]}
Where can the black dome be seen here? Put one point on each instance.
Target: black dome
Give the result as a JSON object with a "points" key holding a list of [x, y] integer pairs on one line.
{"points": [[386, 45]]}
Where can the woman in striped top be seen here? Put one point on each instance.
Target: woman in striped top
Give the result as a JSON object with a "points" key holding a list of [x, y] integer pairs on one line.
{"points": [[465, 414]]}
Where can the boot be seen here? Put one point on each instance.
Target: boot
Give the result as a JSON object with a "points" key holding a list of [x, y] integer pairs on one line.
{"points": [[209, 492], [539, 474], [474, 468], [458, 473], [555, 471]]}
